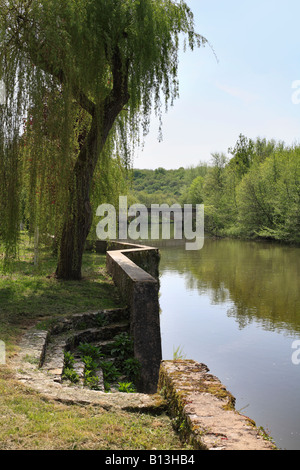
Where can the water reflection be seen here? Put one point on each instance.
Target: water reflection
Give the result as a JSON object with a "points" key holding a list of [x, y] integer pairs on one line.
{"points": [[260, 279], [235, 306]]}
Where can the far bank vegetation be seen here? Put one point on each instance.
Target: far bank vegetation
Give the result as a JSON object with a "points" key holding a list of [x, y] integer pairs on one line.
{"points": [[252, 193]]}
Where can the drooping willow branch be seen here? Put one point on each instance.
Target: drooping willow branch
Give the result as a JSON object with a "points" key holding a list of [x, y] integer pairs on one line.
{"points": [[71, 67]]}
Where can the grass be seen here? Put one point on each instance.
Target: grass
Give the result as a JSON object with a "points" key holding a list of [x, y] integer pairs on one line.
{"points": [[29, 293], [29, 421]]}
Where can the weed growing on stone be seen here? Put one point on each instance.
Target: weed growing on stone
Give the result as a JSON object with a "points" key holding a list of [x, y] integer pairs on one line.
{"points": [[178, 354], [87, 349], [122, 347], [90, 363], [91, 380], [68, 360], [110, 372], [132, 368], [71, 374], [120, 364], [101, 320], [126, 387]]}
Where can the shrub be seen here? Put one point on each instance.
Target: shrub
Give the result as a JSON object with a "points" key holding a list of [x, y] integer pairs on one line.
{"points": [[71, 374], [122, 347], [87, 349], [126, 387], [68, 360], [132, 368]]}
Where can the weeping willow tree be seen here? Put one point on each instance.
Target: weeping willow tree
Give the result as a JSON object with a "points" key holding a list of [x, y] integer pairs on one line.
{"points": [[82, 78]]}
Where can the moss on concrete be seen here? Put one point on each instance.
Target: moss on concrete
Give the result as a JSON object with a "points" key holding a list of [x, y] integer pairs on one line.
{"points": [[203, 410]]}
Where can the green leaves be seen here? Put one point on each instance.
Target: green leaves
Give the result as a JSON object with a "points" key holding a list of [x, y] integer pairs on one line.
{"points": [[256, 194], [70, 67], [126, 387], [269, 198], [122, 347], [87, 349]]}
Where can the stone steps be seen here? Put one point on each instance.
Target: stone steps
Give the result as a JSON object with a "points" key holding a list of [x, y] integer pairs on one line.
{"points": [[104, 346], [201, 407], [87, 320], [34, 351], [97, 328], [93, 335]]}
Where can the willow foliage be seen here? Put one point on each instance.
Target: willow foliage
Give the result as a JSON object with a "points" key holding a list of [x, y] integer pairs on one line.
{"points": [[82, 78]]}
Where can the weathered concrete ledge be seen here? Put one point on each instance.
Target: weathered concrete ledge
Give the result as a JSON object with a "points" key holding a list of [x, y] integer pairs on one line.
{"points": [[203, 410], [133, 268]]}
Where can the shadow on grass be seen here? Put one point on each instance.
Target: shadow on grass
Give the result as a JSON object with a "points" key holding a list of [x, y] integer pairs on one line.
{"points": [[29, 293]]}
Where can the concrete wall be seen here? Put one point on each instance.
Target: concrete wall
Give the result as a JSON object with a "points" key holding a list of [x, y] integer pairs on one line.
{"points": [[145, 257], [126, 264], [204, 412]]}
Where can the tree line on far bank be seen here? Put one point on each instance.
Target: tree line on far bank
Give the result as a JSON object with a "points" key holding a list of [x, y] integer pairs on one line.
{"points": [[254, 193]]}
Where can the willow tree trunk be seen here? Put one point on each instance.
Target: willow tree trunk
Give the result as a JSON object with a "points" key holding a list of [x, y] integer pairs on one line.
{"points": [[75, 232], [79, 214], [72, 247], [79, 217]]}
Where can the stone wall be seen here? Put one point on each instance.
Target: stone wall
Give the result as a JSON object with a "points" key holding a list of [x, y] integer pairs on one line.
{"points": [[204, 412], [145, 257], [134, 270]]}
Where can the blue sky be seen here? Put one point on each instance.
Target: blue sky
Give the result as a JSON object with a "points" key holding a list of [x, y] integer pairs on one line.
{"points": [[248, 90]]}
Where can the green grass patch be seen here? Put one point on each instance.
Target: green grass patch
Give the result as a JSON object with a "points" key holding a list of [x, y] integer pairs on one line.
{"points": [[29, 422], [30, 293]]}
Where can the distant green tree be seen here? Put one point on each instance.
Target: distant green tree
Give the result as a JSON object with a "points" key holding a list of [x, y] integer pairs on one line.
{"points": [[256, 208], [214, 195], [269, 197], [194, 195], [242, 155], [264, 148], [160, 171]]}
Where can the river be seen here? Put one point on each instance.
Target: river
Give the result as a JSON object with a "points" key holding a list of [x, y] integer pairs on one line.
{"points": [[235, 306]]}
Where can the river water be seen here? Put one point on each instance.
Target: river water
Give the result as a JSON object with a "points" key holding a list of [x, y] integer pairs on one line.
{"points": [[235, 306]]}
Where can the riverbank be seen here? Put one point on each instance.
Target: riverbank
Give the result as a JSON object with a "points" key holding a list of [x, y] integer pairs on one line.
{"points": [[42, 400], [30, 420], [254, 238], [201, 409]]}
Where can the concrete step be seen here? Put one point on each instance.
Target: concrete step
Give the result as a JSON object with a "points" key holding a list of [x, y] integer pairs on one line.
{"points": [[94, 335], [53, 362], [83, 321]]}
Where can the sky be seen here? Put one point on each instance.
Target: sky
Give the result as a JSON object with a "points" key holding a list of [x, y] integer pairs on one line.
{"points": [[244, 87]]}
